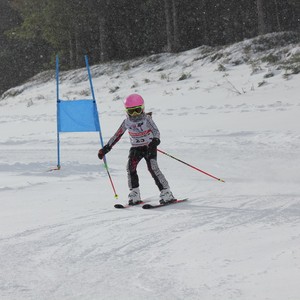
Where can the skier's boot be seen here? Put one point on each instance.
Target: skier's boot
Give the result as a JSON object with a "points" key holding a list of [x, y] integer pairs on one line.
{"points": [[134, 196], [166, 196]]}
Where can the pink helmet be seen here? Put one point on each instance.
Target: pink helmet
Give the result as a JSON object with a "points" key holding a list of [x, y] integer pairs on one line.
{"points": [[133, 100]]}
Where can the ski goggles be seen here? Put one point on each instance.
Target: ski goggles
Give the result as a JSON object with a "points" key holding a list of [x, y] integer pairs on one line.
{"points": [[135, 111]]}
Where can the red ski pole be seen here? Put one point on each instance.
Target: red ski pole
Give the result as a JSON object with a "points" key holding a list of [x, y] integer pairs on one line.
{"points": [[219, 179]]}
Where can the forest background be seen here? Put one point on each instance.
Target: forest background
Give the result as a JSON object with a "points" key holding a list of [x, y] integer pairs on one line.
{"points": [[32, 32]]}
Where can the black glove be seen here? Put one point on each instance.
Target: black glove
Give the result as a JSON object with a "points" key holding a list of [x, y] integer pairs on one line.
{"points": [[152, 147], [103, 151]]}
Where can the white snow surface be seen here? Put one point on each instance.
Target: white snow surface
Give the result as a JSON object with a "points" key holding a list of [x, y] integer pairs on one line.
{"points": [[62, 238]]}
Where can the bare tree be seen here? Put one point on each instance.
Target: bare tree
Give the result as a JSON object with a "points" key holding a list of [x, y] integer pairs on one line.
{"points": [[296, 12], [262, 27], [171, 25], [102, 6], [279, 27]]}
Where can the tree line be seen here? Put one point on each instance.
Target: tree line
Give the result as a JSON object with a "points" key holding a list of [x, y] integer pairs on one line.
{"points": [[33, 31]]}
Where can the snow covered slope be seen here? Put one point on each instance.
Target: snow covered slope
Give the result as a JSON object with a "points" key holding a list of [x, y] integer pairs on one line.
{"points": [[233, 112]]}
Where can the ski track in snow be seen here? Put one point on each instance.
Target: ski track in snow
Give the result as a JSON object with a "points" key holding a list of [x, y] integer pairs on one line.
{"points": [[61, 238], [89, 249]]}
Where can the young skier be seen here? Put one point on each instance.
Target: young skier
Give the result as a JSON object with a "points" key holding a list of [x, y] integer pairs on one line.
{"points": [[144, 138]]}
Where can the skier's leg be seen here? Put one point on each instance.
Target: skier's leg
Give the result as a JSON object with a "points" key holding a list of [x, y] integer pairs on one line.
{"points": [[134, 158], [165, 193], [156, 173]]}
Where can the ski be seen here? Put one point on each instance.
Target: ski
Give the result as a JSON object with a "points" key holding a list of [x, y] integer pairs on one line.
{"points": [[150, 206], [118, 205]]}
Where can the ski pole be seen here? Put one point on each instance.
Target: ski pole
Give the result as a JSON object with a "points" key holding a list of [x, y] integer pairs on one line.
{"points": [[99, 125], [219, 179], [109, 176]]}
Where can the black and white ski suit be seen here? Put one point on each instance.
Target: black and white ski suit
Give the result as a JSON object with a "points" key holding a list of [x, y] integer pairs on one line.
{"points": [[142, 130]]}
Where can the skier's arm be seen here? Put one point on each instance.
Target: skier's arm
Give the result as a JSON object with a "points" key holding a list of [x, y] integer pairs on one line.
{"points": [[152, 147], [117, 136], [113, 140], [153, 127]]}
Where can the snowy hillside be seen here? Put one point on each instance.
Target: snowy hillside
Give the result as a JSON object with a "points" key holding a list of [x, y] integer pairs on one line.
{"points": [[233, 112]]}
